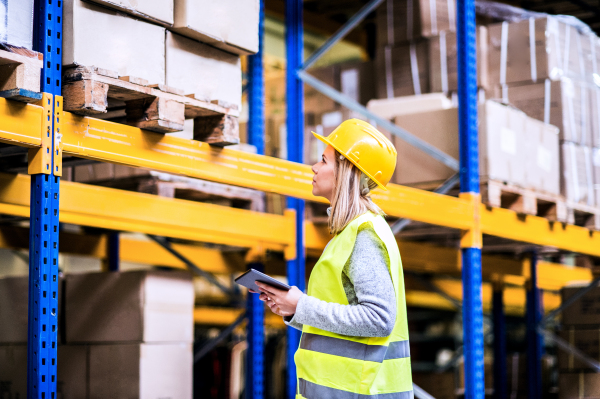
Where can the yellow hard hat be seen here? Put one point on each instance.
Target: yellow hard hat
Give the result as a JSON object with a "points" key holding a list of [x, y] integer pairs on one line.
{"points": [[366, 147]]}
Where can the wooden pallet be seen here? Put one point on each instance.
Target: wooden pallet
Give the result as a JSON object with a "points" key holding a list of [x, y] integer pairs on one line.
{"points": [[89, 91], [20, 71], [530, 202]]}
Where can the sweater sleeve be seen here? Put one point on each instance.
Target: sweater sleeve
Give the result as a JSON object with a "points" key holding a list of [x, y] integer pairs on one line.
{"points": [[372, 313]]}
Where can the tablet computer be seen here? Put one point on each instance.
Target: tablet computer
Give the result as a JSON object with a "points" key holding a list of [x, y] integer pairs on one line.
{"points": [[247, 280]]}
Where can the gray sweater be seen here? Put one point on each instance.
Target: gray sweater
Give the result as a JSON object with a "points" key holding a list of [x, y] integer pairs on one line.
{"points": [[368, 285]]}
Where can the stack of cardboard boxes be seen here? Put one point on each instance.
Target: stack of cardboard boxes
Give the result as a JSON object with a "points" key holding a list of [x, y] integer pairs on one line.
{"points": [[581, 328], [549, 69], [416, 48], [121, 335], [165, 42]]}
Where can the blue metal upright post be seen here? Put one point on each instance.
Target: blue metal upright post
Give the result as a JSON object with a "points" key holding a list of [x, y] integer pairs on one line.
{"points": [[113, 251], [469, 187], [499, 321], [43, 237], [295, 144], [534, 339], [256, 136]]}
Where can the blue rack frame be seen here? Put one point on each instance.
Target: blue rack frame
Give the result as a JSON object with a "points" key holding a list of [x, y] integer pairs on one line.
{"points": [[256, 136], [43, 237], [295, 144]]}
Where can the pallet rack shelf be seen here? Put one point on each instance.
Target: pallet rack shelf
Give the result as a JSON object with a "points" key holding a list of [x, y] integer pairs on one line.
{"points": [[49, 133]]}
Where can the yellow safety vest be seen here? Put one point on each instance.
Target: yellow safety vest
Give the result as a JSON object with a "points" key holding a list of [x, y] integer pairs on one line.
{"points": [[338, 366]]}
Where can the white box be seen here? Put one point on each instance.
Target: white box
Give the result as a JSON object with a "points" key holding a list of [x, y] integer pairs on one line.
{"points": [[144, 371], [160, 11], [96, 36], [228, 24], [137, 306], [389, 108], [14, 303], [205, 71], [577, 180], [542, 165], [16, 25], [504, 136]]}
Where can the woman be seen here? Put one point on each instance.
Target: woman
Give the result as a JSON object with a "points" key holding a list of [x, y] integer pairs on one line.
{"points": [[353, 317]]}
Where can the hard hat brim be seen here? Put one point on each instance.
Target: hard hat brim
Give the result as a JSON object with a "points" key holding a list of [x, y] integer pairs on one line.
{"points": [[328, 142]]}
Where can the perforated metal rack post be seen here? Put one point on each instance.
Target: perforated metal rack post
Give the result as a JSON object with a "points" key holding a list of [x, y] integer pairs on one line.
{"points": [[535, 343], [469, 187], [256, 136], [295, 144], [44, 165]]}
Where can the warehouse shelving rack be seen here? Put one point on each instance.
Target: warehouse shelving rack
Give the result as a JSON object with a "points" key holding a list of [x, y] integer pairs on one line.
{"points": [[49, 133]]}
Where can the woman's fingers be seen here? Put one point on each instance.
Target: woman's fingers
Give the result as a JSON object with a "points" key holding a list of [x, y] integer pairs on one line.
{"points": [[269, 289]]}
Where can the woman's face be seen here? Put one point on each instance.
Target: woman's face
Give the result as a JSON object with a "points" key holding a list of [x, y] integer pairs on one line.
{"points": [[323, 180]]}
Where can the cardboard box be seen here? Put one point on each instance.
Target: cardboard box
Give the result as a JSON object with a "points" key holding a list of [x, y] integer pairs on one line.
{"points": [[595, 115], [560, 50], [577, 179], [503, 148], [542, 166], [228, 24], [443, 61], [14, 304], [97, 36], [389, 108], [159, 11], [402, 70], [71, 378], [205, 71], [564, 103], [587, 341], [145, 371], [596, 169], [585, 311], [579, 386], [16, 27], [140, 306], [399, 21]]}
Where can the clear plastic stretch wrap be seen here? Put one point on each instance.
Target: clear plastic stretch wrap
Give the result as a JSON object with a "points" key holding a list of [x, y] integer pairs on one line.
{"points": [[532, 46]]}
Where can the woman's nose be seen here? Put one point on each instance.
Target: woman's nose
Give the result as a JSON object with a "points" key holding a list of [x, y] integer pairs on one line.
{"points": [[314, 169]]}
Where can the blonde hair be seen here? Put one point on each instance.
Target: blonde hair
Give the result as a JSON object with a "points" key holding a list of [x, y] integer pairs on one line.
{"points": [[348, 202]]}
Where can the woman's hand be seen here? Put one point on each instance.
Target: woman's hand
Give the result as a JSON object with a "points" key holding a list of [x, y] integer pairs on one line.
{"points": [[281, 302]]}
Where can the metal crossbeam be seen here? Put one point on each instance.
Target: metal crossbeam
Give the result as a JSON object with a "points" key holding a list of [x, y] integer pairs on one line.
{"points": [[399, 225], [342, 32], [163, 242], [209, 346]]}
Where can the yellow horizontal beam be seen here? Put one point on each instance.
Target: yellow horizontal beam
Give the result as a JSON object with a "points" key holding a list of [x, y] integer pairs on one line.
{"points": [[514, 297], [101, 207], [226, 316], [20, 123], [428, 258], [537, 230], [117, 143], [91, 138]]}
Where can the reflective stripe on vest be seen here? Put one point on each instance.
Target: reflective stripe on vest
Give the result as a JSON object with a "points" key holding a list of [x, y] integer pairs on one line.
{"points": [[311, 390], [354, 350]]}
